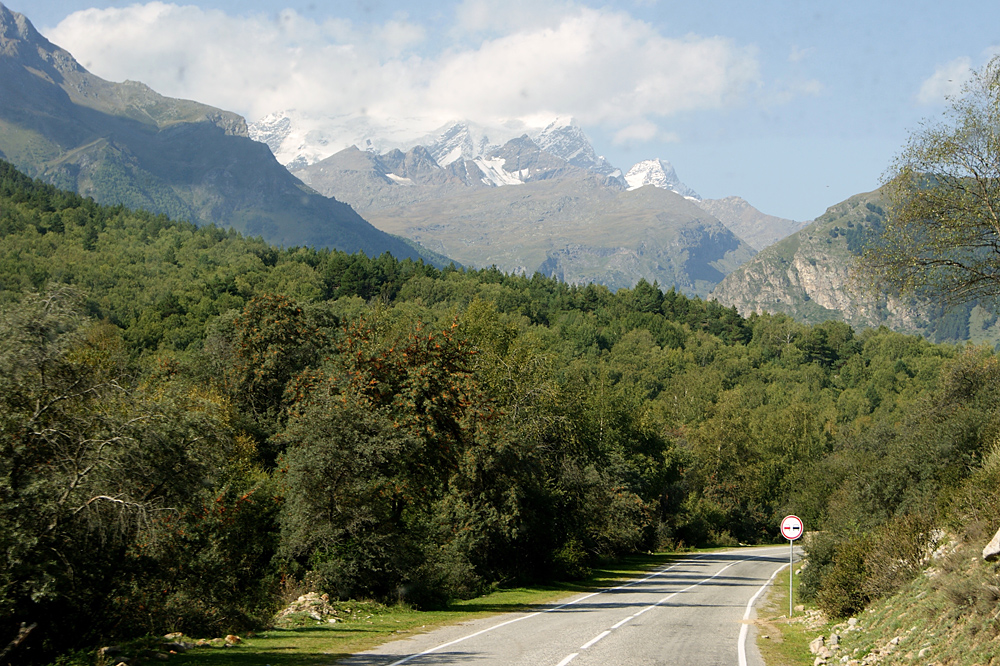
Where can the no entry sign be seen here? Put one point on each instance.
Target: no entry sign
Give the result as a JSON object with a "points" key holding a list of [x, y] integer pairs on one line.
{"points": [[791, 527]]}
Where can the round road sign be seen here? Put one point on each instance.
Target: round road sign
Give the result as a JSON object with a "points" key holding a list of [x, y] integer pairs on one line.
{"points": [[791, 527]]}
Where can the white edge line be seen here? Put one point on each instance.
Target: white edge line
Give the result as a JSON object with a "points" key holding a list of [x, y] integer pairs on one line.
{"points": [[463, 638], [657, 572], [495, 626], [671, 596], [741, 646]]}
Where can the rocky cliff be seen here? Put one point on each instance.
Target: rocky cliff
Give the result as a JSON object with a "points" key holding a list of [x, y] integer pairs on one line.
{"points": [[809, 276]]}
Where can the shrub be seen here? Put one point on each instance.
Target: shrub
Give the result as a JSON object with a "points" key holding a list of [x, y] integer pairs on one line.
{"points": [[842, 591], [820, 551], [898, 552]]}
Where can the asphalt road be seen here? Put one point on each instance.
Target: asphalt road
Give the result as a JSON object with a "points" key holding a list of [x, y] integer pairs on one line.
{"points": [[689, 613]]}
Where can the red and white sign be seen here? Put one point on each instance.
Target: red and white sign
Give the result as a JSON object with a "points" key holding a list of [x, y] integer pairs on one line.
{"points": [[791, 527]]}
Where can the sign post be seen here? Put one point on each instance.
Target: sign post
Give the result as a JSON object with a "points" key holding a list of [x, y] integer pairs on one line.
{"points": [[791, 529]]}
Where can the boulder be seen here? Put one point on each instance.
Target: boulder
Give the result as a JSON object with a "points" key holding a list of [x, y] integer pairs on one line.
{"points": [[816, 645], [178, 646], [992, 550]]}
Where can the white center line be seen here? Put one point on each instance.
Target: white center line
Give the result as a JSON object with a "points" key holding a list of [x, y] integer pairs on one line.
{"points": [[621, 622], [568, 659], [743, 630], [595, 639], [496, 626]]}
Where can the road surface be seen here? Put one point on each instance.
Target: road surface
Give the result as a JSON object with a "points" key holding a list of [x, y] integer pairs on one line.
{"points": [[692, 612]]}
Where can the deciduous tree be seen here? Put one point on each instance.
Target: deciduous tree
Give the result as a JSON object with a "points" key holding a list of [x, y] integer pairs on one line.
{"points": [[941, 237]]}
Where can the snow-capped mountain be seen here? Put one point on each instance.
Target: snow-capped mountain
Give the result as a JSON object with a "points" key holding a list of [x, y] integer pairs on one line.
{"points": [[465, 140], [565, 139], [290, 139], [660, 174], [299, 140]]}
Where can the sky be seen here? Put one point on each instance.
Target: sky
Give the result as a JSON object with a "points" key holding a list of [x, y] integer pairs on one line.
{"points": [[794, 106]]}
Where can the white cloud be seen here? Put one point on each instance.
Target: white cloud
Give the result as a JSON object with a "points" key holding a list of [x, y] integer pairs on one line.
{"points": [[642, 132], [783, 92], [798, 54], [499, 17], [946, 81], [398, 36], [600, 66]]}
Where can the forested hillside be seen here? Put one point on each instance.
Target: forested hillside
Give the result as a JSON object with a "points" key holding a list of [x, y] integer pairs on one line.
{"points": [[193, 422]]}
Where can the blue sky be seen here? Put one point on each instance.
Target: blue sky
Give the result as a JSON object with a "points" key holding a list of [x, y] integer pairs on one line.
{"points": [[794, 106]]}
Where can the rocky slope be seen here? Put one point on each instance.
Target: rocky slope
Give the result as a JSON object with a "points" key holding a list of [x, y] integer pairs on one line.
{"points": [[808, 276], [124, 143], [758, 229]]}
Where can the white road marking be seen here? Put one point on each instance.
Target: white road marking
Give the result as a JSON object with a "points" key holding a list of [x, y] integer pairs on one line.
{"points": [[743, 629], [496, 626], [568, 659], [626, 620], [741, 645], [550, 610], [595, 639]]}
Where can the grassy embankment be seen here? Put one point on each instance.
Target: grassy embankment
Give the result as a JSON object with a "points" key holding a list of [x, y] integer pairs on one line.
{"points": [[948, 616]]}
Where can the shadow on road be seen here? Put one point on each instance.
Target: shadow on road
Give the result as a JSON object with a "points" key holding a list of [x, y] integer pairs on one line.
{"points": [[386, 659]]}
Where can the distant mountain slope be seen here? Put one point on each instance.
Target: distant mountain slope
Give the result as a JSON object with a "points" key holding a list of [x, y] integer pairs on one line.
{"points": [[758, 229], [807, 276], [523, 198], [523, 208], [124, 143]]}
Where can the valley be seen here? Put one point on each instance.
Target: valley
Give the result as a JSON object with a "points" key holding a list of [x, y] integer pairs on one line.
{"points": [[323, 380]]}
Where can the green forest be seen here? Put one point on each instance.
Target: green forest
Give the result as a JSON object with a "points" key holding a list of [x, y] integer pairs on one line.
{"points": [[194, 422]]}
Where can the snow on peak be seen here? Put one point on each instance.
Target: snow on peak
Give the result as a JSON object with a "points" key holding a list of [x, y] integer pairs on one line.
{"points": [[272, 129], [658, 173], [494, 173], [567, 140], [299, 139], [463, 139]]}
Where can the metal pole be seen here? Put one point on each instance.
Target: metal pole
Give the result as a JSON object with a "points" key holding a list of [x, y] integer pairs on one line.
{"points": [[790, 542]]}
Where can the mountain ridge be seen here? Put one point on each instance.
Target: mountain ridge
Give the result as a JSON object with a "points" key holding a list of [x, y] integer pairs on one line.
{"points": [[808, 276], [524, 209], [123, 143]]}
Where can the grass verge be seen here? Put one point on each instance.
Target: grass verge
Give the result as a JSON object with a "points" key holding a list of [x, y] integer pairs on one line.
{"points": [[369, 624], [784, 641]]}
